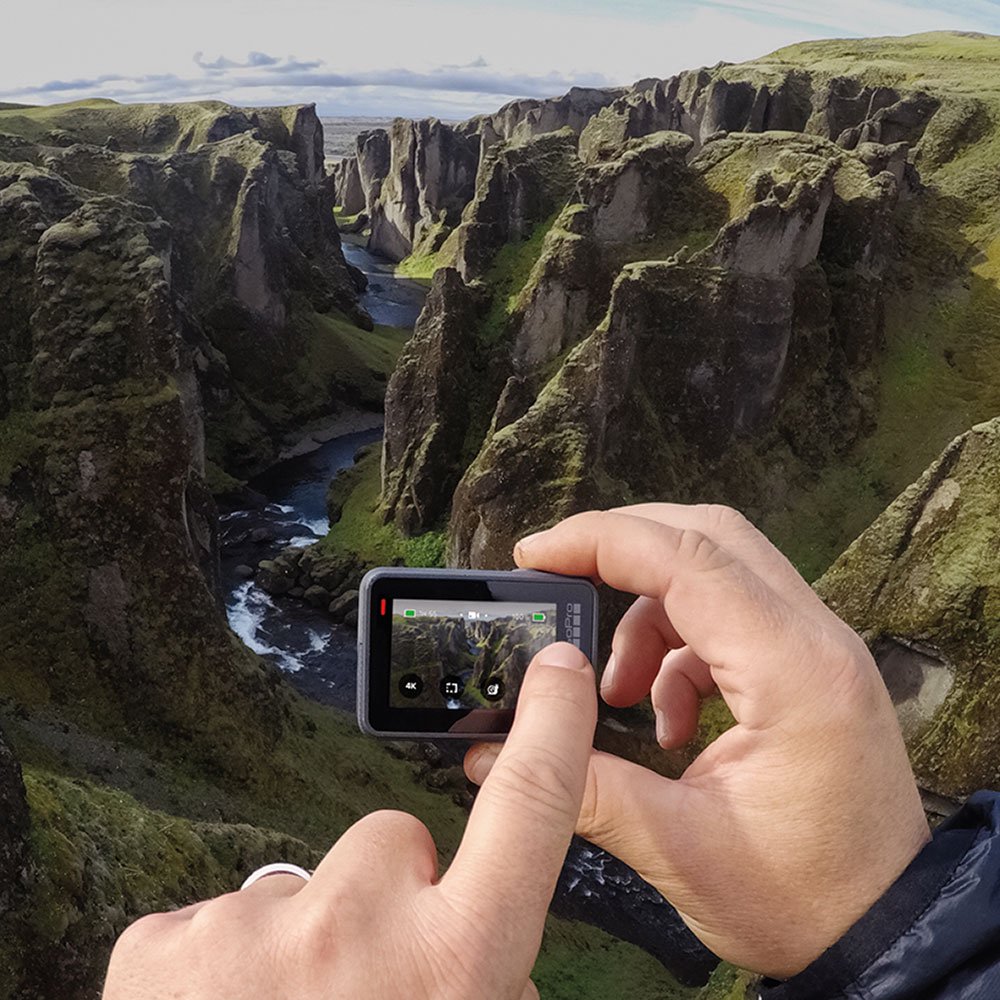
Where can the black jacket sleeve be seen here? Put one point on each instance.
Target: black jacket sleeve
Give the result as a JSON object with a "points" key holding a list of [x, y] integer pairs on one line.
{"points": [[934, 935]]}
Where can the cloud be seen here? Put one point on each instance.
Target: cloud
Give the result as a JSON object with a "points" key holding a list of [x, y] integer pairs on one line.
{"points": [[254, 59], [312, 81]]}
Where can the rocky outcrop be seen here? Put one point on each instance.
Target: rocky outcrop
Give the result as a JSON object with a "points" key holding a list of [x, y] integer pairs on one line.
{"points": [[428, 406], [527, 117], [705, 358], [108, 531], [922, 585], [700, 103], [519, 185], [430, 179], [704, 103], [468, 333], [255, 256], [848, 112], [374, 159], [347, 189], [634, 195], [558, 305], [782, 230]]}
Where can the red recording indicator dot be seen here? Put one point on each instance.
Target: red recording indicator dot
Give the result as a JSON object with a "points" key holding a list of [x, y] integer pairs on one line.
{"points": [[383, 605]]}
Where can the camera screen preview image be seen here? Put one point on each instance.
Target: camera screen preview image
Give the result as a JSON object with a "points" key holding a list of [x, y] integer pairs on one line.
{"points": [[462, 654]]}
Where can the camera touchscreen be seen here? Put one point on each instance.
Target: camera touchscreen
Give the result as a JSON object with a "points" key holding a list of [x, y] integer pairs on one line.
{"points": [[462, 654], [443, 652]]}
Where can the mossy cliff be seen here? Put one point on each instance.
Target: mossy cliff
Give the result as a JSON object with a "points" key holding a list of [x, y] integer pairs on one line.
{"points": [[839, 191], [254, 252], [922, 584]]}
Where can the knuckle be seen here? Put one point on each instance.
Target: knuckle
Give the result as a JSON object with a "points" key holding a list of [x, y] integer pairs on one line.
{"points": [[218, 916], [724, 517], [700, 550], [312, 939], [390, 826], [138, 934], [538, 781]]}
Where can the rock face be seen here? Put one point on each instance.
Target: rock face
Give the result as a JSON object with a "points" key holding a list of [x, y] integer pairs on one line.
{"points": [[431, 177], [432, 418], [13, 830], [703, 103], [348, 190], [108, 531], [520, 183], [374, 158], [250, 233], [428, 404], [922, 584], [745, 341], [636, 193], [526, 118]]}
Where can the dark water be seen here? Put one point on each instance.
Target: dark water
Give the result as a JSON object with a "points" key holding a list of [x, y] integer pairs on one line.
{"points": [[391, 301], [320, 658]]}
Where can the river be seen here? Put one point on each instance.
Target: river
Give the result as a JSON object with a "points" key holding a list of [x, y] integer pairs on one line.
{"points": [[320, 657]]}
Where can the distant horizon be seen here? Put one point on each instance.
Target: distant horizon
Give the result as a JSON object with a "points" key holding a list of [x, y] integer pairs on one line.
{"points": [[387, 115], [441, 58]]}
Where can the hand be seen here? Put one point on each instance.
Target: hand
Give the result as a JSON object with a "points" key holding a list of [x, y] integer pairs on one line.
{"points": [[787, 828], [375, 921]]}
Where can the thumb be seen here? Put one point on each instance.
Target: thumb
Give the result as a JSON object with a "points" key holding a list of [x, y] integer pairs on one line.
{"points": [[528, 807], [626, 810]]}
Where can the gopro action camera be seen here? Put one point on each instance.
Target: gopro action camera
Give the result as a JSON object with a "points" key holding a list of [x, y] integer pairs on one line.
{"points": [[442, 652]]}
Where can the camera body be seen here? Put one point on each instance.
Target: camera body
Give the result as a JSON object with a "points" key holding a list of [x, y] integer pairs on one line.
{"points": [[442, 652]]}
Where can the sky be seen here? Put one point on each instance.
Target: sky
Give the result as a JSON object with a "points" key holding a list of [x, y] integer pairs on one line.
{"points": [[412, 57]]}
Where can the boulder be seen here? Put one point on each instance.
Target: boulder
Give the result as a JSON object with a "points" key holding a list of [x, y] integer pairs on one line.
{"points": [[922, 585], [275, 576], [343, 605], [317, 596]]}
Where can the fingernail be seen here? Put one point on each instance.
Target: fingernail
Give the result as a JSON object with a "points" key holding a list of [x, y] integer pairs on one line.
{"points": [[608, 677], [479, 765], [524, 543], [661, 726], [528, 539], [563, 654]]}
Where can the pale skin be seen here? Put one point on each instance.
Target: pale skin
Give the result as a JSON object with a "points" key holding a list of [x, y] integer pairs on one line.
{"points": [[773, 842]]}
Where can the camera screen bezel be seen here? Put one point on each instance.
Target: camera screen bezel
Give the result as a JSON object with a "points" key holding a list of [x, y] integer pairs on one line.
{"points": [[377, 715]]}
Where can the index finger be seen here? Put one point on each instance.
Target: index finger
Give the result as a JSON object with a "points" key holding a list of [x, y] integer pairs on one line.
{"points": [[528, 806], [713, 602]]}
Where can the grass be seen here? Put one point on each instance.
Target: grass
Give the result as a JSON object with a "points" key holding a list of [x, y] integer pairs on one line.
{"points": [[358, 361], [342, 218], [94, 120], [578, 961], [361, 531]]}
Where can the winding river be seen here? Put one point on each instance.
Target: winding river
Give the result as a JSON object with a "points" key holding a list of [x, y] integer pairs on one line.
{"points": [[320, 657]]}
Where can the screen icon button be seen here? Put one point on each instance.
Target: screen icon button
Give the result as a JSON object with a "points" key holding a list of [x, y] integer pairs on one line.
{"points": [[493, 689], [538, 616], [410, 685], [451, 686]]}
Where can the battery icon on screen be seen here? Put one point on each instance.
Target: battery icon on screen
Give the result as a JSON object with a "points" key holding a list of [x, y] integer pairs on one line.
{"points": [[409, 613], [538, 616]]}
